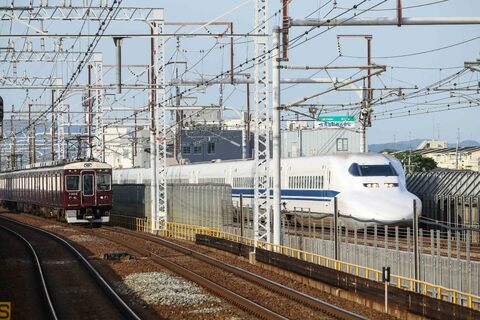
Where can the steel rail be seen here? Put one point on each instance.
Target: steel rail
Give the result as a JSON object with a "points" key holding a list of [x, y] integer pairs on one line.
{"points": [[236, 299], [295, 295], [39, 269], [116, 299]]}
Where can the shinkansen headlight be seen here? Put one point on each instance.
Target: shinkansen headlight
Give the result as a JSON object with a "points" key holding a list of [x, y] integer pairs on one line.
{"points": [[371, 185], [391, 185]]}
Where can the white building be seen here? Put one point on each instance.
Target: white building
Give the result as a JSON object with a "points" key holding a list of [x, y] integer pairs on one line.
{"points": [[432, 144], [118, 147], [467, 158], [311, 142]]}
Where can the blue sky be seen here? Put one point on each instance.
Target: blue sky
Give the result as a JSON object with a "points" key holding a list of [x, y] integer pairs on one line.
{"points": [[402, 72]]}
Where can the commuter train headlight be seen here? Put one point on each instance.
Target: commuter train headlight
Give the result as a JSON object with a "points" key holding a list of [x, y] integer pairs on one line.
{"points": [[391, 185], [371, 185]]}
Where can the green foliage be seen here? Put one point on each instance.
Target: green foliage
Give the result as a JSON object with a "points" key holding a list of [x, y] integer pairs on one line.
{"points": [[413, 162]]}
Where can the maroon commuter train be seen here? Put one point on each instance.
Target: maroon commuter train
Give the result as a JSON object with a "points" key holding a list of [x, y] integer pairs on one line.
{"points": [[76, 192]]}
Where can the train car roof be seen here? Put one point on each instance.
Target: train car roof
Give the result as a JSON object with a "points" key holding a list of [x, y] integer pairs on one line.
{"points": [[63, 165]]}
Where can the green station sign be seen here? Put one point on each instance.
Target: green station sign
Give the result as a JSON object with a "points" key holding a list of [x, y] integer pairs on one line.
{"points": [[336, 118]]}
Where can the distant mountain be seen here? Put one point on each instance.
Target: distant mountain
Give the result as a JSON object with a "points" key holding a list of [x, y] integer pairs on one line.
{"points": [[412, 144], [399, 145], [466, 143]]}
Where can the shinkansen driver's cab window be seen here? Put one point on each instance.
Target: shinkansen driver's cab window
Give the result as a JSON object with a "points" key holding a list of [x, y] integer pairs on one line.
{"points": [[87, 184], [372, 170], [73, 183], [103, 182]]}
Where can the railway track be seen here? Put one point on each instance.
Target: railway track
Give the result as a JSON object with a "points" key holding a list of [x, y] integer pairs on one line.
{"points": [[176, 263], [66, 281]]}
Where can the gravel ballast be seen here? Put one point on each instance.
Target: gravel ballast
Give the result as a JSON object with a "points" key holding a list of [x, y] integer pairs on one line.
{"points": [[162, 288]]}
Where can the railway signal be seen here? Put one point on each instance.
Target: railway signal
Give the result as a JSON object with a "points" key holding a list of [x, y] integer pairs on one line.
{"points": [[386, 281]]}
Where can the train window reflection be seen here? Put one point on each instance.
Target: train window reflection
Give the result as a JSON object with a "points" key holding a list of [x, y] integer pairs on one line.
{"points": [[103, 182], [372, 170], [73, 183]]}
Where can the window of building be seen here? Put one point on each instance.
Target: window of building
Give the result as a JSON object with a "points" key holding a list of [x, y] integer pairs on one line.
{"points": [[211, 148], [342, 144], [197, 149], [186, 150]]}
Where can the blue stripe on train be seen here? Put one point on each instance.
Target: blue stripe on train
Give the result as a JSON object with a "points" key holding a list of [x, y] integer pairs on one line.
{"points": [[284, 198], [292, 194]]}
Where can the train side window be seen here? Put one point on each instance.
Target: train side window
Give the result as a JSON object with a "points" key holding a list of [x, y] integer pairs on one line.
{"points": [[72, 183]]}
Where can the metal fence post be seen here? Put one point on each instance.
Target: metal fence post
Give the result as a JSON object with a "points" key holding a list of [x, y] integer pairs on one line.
{"points": [[355, 240], [415, 242], [335, 229], [242, 218], [397, 251], [469, 266], [432, 254], [421, 261], [439, 261]]}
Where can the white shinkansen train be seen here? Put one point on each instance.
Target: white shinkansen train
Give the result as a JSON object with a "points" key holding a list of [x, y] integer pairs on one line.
{"points": [[370, 188]]}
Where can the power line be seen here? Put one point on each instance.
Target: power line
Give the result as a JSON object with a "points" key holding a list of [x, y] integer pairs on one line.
{"points": [[418, 53]]}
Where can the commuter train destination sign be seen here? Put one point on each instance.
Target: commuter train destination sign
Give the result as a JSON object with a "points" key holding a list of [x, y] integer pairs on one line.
{"points": [[336, 121]]}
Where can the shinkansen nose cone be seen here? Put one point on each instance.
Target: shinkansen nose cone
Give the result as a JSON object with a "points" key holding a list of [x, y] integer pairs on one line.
{"points": [[369, 209]]}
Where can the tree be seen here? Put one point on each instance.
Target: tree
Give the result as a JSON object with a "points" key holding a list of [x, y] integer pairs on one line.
{"points": [[414, 162]]}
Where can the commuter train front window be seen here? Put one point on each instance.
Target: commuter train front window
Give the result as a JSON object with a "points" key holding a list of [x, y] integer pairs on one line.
{"points": [[73, 183], [103, 182], [87, 184], [372, 170]]}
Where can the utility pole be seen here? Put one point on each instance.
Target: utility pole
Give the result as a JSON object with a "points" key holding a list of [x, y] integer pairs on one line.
{"points": [[118, 52], [367, 92], [52, 130], [276, 156], [134, 151], [31, 137], [90, 114], [12, 142], [178, 120], [262, 201], [456, 149]]}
